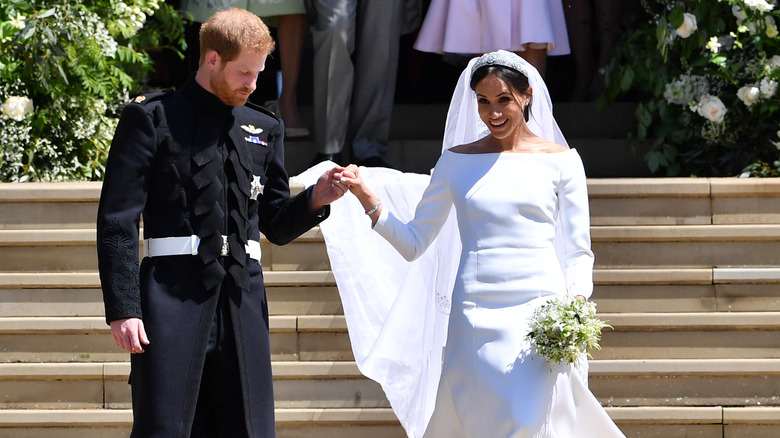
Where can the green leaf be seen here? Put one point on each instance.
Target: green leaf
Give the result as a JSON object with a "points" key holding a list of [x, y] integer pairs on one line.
{"points": [[676, 17], [28, 31], [652, 161], [627, 79], [48, 13], [661, 32]]}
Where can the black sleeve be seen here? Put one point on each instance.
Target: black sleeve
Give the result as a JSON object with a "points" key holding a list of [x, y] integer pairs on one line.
{"points": [[122, 200], [281, 218]]}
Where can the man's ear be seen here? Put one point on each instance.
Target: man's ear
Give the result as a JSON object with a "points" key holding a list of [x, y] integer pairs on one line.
{"points": [[213, 60]]}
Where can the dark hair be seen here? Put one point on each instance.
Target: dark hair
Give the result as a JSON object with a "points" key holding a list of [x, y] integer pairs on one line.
{"points": [[517, 82]]}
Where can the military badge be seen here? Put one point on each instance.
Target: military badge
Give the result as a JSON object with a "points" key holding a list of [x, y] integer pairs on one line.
{"points": [[255, 188], [255, 140], [251, 129]]}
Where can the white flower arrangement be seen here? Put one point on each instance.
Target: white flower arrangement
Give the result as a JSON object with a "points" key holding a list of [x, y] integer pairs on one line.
{"points": [[566, 328], [706, 85], [17, 107], [78, 62]]}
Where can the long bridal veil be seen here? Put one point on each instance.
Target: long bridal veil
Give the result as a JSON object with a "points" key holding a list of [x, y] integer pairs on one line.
{"points": [[397, 311]]}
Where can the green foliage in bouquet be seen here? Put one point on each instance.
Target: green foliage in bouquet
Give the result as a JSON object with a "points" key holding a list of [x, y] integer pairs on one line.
{"points": [[565, 328], [66, 68], [705, 73]]}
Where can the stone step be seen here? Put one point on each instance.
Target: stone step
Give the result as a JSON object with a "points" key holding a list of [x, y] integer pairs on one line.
{"points": [[756, 245], [75, 250], [48, 205], [78, 294], [110, 423], [328, 384], [684, 201], [104, 385], [613, 201], [716, 335], [687, 290], [680, 382], [334, 385], [664, 422], [315, 292], [686, 246], [88, 339], [635, 422]]}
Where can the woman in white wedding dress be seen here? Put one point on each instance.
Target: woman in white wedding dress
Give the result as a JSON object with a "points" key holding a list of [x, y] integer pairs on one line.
{"points": [[511, 189]]}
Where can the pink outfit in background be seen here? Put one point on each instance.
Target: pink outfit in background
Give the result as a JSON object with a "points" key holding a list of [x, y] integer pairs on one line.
{"points": [[481, 26]]}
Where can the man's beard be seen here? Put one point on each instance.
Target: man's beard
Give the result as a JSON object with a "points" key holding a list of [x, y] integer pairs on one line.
{"points": [[226, 94]]}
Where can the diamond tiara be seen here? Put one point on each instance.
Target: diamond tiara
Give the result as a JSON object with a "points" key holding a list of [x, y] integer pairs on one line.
{"points": [[502, 58]]}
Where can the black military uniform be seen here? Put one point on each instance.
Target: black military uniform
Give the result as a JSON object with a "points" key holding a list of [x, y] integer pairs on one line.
{"points": [[196, 168]]}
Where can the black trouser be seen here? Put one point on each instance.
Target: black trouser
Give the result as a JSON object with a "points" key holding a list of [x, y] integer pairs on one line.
{"points": [[220, 408]]}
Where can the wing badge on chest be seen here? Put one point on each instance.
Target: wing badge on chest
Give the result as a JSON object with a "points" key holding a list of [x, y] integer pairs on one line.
{"points": [[250, 129]]}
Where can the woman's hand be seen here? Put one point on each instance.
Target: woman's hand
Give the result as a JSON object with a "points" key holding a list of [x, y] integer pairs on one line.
{"points": [[351, 177]]}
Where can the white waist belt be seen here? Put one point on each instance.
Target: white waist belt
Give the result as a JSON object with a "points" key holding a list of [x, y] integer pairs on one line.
{"points": [[188, 245]]}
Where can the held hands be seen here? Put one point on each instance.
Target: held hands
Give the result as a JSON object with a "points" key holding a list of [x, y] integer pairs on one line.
{"points": [[328, 188], [371, 204], [129, 333]]}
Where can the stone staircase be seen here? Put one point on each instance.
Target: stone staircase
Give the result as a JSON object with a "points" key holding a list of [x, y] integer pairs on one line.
{"points": [[687, 273]]}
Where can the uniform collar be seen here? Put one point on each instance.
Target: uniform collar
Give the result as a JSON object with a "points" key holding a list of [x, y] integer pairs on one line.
{"points": [[204, 99]]}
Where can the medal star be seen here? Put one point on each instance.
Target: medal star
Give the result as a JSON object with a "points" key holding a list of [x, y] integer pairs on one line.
{"points": [[255, 188]]}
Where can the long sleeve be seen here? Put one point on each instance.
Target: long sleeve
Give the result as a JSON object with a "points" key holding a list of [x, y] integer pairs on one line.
{"points": [[413, 238], [574, 218], [122, 200], [281, 218]]}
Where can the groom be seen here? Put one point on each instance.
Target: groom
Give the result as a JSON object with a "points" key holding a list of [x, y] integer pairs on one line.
{"points": [[205, 169]]}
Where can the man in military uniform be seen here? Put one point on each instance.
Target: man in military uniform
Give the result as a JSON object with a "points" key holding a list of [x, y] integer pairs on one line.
{"points": [[207, 174]]}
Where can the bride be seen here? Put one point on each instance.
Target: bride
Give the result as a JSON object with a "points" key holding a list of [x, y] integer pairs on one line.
{"points": [[445, 335]]}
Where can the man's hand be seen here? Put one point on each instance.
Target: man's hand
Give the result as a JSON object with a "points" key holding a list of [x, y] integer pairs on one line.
{"points": [[129, 334], [328, 189]]}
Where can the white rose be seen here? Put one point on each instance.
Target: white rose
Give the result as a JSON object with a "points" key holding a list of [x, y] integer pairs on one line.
{"points": [[768, 87], [688, 26], [749, 94], [759, 5], [712, 108], [17, 107], [775, 61]]}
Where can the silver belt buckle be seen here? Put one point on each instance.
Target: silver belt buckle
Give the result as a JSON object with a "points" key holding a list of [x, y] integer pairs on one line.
{"points": [[225, 247]]}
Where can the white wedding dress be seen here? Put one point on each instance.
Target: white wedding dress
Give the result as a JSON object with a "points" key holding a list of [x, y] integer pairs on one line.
{"points": [[521, 237], [506, 204]]}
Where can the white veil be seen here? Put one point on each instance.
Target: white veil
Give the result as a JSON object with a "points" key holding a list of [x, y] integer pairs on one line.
{"points": [[397, 327]]}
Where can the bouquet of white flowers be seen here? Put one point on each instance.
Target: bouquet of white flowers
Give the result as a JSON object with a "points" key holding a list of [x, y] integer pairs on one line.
{"points": [[565, 328]]}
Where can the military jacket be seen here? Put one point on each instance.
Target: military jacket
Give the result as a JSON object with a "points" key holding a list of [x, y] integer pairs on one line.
{"points": [[189, 164]]}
